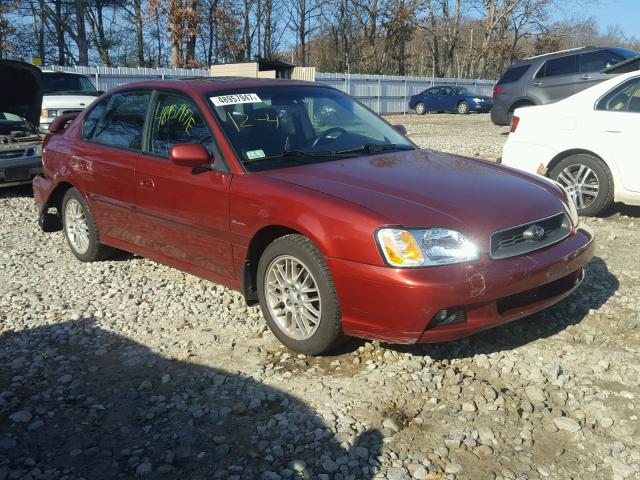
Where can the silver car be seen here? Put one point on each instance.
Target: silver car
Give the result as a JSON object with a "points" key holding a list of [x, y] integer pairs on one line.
{"points": [[551, 77]]}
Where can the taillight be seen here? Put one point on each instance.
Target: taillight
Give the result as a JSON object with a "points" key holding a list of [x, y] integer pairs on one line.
{"points": [[496, 91], [514, 124]]}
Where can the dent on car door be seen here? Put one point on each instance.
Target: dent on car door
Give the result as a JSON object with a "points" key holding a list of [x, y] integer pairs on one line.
{"points": [[185, 210], [618, 121], [104, 160], [555, 80]]}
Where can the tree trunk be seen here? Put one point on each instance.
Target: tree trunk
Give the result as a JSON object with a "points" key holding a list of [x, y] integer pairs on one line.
{"points": [[247, 30], [193, 26], [268, 7], [137, 10], [59, 32], [81, 34]]}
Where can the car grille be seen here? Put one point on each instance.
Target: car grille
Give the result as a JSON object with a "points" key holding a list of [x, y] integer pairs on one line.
{"points": [[7, 154], [516, 241], [75, 110]]}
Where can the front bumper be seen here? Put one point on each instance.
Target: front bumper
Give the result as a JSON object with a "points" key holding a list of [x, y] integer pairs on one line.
{"points": [[19, 171], [480, 107], [397, 305]]}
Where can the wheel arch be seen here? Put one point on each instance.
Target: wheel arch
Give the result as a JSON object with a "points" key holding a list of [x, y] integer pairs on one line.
{"points": [[574, 151], [259, 242], [52, 221]]}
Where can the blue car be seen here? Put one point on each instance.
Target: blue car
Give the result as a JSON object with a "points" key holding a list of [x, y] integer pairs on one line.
{"points": [[449, 99]]}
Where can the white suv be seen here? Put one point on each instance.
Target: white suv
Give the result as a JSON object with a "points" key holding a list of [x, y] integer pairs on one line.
{"points": [[64, 93]]}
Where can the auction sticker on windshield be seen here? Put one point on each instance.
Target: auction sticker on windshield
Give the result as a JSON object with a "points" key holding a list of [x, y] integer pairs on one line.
{"points": [[235, 99]]}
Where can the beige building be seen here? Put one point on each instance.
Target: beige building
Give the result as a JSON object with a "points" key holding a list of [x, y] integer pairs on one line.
{"points": [[264, 69]]}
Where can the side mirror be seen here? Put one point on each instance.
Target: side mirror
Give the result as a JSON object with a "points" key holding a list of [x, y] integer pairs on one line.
{"points": [[401, 129], [189, 155], [100, 92], [62, 122]]}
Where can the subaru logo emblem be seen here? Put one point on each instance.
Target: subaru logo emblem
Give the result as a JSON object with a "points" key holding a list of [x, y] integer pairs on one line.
{"points": [[534, 232]]}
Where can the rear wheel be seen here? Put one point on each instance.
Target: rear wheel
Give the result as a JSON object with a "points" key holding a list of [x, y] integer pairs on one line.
{"points": [[80, 229], [298, 297], [463, 108], [588, 180], [421, 108]]}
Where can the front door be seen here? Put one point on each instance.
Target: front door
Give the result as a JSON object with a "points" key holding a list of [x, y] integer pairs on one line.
{"points": [[105, 159], [617, 125], [184, 211]]}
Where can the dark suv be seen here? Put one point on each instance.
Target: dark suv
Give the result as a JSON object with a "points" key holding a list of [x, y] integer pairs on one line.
{"points": [[552, 77]]}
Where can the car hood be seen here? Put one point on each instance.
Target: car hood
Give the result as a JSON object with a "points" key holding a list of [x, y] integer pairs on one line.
{"points": [[21, 84], [427, 188], [67, 101]]}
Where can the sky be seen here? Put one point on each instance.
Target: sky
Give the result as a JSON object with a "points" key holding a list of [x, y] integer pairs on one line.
{"points": [[625, 13]]}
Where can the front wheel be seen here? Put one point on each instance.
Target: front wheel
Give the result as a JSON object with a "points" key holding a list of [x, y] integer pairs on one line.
{"points": [[81, 230], [588, 180], [297, 296], [463, 108]]}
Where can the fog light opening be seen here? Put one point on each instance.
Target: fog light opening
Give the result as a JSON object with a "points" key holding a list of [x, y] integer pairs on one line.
{"points": [[448, 317]]}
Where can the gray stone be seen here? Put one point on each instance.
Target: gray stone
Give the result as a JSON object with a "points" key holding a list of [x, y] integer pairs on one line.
{"points": [[567, 424], [144, 469], [22, 416]]}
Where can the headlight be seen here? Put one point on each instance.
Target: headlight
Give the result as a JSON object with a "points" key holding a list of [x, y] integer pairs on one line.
{"points": [[48, 113], [478, 100], [425, 247]]}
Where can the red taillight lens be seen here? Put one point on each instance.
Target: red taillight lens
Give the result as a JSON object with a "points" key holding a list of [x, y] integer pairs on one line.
{"points": [[514, 124], [496, 91]]}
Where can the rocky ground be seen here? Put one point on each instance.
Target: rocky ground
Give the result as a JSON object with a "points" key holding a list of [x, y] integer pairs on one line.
{"points": [[128, 368], [473, 135]]}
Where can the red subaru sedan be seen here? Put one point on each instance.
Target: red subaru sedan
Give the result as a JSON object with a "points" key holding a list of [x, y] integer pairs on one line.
{"points": [[311, 205]]}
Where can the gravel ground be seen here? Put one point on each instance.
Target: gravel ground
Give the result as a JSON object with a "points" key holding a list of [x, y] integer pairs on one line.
{"points": [[473, 135], [128, 368]]}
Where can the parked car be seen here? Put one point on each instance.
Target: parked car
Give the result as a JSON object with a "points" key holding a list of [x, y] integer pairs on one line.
{"points": [[587, 142], [551, 77], [337, 228], [20, 143], [449, 99], [64, 93]]}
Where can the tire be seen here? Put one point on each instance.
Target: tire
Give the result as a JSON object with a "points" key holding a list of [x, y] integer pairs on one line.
{"points": [[273, 288], [463, 108], [421, 108], [80, 229], [583, 175], [513, 109]]}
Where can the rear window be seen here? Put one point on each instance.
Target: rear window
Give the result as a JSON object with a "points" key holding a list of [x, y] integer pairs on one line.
{"points": [[513, 74]]}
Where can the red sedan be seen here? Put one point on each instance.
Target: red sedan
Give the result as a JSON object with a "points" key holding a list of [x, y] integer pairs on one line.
{"points": [[310, 204]]}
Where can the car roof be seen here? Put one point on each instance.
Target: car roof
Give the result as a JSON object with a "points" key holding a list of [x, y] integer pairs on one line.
{"points": [[560, 53], [212, 84]]}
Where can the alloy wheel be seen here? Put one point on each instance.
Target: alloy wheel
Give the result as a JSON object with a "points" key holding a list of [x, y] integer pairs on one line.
{"points": [[581, 183], [420, 108], [76, 226], [293, 297]]}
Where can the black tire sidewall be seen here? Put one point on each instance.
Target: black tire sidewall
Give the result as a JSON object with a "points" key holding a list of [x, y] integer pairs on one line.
{"points": [[605, 181], [94, 244], [329, 332]]}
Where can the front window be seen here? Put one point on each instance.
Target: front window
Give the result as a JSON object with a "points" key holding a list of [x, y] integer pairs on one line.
{"points": [[275, 127], [56, 83]]}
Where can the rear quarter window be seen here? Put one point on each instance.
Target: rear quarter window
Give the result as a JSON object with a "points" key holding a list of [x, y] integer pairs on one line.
{"points": [[513, 74]]}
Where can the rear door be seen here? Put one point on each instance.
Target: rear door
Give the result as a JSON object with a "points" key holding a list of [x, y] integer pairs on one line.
{"points": [[617, 125], [185, 210], [555, 80], [105, 159]]}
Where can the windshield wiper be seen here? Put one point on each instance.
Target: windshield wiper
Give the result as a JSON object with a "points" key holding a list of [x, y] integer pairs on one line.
{"points": [[374, 147]]}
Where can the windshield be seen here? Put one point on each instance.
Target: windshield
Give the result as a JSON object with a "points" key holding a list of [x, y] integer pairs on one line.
{"points": [[281, 126], [66, 84], [461, 91], [6, 117]]}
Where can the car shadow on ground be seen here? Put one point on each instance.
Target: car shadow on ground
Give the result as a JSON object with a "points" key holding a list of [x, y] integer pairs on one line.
{"points": [[598, 286], [19, 191], [82, 402], [622, 209]]}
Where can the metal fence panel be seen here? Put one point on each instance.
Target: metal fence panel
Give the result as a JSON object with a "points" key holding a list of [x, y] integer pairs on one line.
{"points": [[381, 93], [390, 94]]}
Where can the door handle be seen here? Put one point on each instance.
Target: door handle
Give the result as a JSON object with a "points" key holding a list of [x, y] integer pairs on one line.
{"points": [[146, 182], [537, 84], [586, 77]]}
